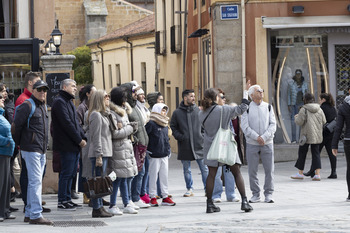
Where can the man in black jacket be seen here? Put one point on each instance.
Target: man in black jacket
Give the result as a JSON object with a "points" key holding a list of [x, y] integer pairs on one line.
{"points": [[68, 138], [187, 131], [32, 137]]}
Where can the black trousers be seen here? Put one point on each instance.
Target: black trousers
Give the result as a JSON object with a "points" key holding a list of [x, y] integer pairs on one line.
{"points": [[327, 143], [5, 180], [302, 152], [347, 156]]}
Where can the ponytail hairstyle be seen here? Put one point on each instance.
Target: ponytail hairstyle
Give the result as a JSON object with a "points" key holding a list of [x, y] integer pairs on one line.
{"points": [[328, 97], [209, 98]]}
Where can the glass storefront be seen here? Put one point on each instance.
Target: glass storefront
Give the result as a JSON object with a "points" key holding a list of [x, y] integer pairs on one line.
{"points": [[13, 67], [299, 65]]}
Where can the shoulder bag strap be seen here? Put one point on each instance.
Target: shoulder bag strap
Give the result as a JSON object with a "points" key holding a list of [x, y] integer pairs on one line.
{"points": [[208, 115]]}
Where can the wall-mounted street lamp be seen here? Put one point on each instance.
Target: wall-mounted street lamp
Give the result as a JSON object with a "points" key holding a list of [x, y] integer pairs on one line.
{"points": [[56, 38]]}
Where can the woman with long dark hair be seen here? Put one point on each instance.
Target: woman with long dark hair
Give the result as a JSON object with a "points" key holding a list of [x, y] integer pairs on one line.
{"points": [[208, 117], [327, 105]]}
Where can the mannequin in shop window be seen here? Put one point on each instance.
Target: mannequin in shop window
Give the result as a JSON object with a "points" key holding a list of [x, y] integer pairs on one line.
{"points": [[296, 90]]}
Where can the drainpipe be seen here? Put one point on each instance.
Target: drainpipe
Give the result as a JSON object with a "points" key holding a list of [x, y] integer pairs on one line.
{"points": [[32, 18], [243, 45], [132, 57], [184, 50], [103, 66]]}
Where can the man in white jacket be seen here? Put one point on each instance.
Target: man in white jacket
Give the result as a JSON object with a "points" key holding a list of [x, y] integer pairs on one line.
{"points": [[259, 126]]}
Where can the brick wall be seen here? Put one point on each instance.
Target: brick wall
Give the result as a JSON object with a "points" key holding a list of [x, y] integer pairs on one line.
{"points": [[70, 14]]}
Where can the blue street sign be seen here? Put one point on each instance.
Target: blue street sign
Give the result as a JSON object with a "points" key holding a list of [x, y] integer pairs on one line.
{"points": [[229, 12]]}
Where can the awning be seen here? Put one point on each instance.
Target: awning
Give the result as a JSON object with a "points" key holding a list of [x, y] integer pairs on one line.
{"points": [[305, 22]]}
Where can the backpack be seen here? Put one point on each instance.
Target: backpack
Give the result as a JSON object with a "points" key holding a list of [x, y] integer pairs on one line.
{"points": [[31, 101]]}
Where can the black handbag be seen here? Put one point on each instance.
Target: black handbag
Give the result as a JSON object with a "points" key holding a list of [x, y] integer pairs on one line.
{"points": [[330, 126], [98, 187]]}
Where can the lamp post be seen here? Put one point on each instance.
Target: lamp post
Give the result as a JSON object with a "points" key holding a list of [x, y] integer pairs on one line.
{"points": [[57, 38]]}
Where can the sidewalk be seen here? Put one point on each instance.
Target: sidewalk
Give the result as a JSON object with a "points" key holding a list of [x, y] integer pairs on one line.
{"points": [[300, 206]]}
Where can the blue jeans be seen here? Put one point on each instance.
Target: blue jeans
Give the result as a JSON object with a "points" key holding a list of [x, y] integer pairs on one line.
{"points": [[69, 166], [35, 163], [136, 185], [229, 184], [120, 182], [128, 185], [186, 164], [145, 185], [98, 171]]}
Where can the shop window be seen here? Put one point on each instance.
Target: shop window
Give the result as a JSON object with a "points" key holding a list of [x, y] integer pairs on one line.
{"points": [[298, 65]]}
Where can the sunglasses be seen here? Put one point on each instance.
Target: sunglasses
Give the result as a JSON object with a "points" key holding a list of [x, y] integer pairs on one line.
{"points": [[1, 97], [107, 96], [223, 97], [44, 89]]}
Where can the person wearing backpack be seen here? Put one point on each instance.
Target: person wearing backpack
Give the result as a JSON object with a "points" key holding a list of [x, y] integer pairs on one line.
{"points": [[30, 131]]}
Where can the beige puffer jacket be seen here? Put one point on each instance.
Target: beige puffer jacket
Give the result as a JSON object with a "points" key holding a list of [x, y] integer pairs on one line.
{"points": [[311, 119], [123, 161]]}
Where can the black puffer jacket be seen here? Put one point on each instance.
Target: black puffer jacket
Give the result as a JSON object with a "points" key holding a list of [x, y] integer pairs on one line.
{"points": [[34, 138], [187, 131], [342, 117]]}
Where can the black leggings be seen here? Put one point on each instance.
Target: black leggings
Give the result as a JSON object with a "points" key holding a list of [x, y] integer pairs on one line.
{"points": [[235, 169]]}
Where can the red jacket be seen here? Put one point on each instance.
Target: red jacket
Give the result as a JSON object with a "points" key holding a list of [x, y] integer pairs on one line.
{"points": [[25, 95]]}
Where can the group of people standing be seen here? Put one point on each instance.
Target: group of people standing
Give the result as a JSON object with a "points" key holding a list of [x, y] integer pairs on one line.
{"points": [[117, 133]]}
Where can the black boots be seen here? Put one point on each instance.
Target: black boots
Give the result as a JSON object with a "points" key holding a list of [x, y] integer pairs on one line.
{"points": [[101, 213], [333, 174], [211, 208], [245, 205]]}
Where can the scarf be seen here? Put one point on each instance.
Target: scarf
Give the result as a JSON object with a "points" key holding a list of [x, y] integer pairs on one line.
{"points": [[144, 111], [159, 119]]}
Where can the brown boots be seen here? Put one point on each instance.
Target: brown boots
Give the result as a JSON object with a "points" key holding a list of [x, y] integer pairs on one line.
{"points": [[101, 213]]}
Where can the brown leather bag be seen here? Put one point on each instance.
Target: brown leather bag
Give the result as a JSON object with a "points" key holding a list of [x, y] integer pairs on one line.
{"points": [[98, 187]]}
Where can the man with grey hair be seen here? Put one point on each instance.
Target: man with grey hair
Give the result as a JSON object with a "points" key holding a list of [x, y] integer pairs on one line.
{"points": [[68, 137], [259, 126]]}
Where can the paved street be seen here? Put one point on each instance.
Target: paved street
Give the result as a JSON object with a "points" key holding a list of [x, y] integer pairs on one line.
{"points": [[300, 206]]}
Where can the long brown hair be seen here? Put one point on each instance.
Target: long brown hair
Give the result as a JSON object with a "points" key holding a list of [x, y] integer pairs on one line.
{"points": [[209, 98], [328, 97]]}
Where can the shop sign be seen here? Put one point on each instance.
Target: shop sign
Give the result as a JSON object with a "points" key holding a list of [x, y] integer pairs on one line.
{"points": [[228, 12]]}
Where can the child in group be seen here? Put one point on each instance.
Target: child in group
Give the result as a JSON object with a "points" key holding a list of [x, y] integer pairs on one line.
{"points": [[159, 151]]}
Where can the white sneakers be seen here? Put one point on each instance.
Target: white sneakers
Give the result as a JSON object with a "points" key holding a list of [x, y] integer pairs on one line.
{"points": [[254, 199], [141, 204], [233, 200], [216, 200], [129, 210], [189, 193], [132, 204], [114, 210]]}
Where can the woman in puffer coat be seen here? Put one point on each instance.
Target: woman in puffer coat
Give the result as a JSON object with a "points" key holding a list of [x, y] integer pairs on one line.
{"points": [[311, 120], [123, 161]]}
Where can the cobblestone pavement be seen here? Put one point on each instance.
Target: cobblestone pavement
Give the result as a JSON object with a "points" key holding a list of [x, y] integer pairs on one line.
{"points": [[300, 206]]}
